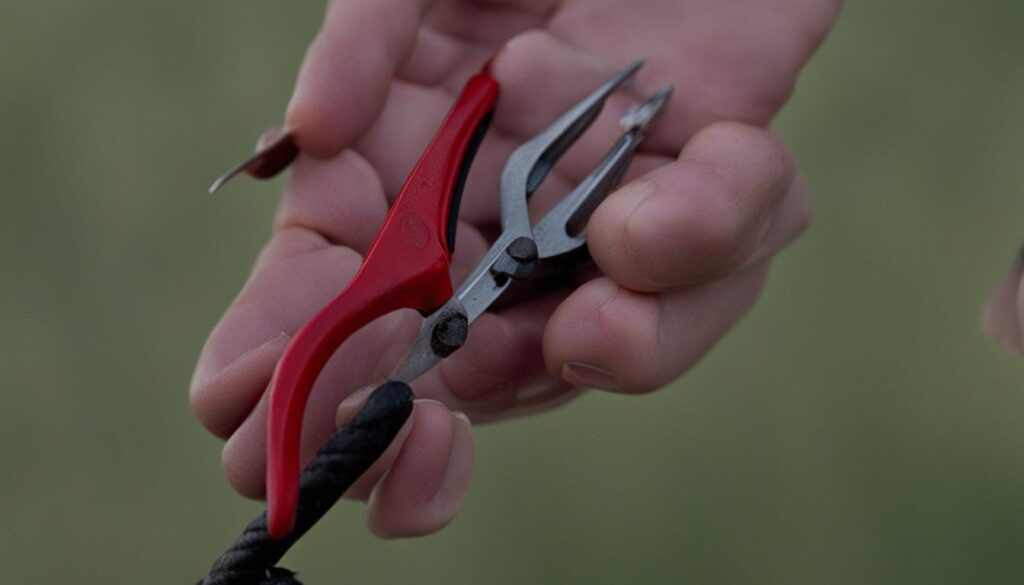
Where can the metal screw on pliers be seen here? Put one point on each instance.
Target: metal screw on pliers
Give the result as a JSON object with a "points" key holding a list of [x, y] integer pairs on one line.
{"points": [[449, 334], [518, 262]]}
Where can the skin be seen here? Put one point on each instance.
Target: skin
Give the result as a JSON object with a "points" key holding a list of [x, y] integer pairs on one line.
{"points": [[1002, 319], [682, 249]]}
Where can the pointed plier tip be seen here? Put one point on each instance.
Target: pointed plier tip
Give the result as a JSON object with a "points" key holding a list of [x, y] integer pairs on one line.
{"points": [[265, 163]]}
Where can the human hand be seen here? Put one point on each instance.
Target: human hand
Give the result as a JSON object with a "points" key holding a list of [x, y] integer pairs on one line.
{"points": [[682, 249], [1003, 318]]}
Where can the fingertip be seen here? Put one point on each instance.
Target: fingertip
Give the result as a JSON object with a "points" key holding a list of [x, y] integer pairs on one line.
{"points": [[698, 219], [327, 113], [222, 396], [671, 230], [602, 337], [608, 337], [244, 459], [428, 481], [344, 78], [573, 322], [761, 154], [693, 206]]}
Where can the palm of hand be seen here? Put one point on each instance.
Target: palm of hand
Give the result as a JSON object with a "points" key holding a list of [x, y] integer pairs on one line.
{"points": [[728, 60]]}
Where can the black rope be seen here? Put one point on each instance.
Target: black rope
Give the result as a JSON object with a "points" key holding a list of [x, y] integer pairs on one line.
{"points": [[338, 464]]}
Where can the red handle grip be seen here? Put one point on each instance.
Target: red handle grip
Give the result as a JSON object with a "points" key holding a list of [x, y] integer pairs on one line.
{"points": [[406, 267]]}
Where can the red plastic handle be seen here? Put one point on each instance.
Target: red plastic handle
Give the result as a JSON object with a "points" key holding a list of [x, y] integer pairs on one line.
{"points": [[406, 267]]}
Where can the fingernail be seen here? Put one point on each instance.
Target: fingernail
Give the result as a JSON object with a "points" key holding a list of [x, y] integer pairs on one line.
{"points": [[761, 251], [531, 392], [276, 149], [588, 376], [349, 407], [269, 136]]}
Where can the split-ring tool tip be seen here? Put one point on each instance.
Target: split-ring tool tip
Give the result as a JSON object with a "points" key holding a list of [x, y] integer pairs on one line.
{"points": [[265, 163]]}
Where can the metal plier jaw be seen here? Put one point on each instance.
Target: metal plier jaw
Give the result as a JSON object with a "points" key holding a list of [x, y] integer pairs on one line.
{"points": [[522, 248], [407, 266]]}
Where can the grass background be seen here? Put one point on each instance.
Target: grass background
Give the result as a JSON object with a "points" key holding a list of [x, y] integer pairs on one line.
{"points": [[857, 428]]}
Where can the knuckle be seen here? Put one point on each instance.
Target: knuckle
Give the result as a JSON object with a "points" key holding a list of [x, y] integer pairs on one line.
{"points": [[308, 201], [290, 241], [292, 244]]}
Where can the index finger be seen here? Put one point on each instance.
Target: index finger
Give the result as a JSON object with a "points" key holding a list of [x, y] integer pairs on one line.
{"points": [[347, 70]]}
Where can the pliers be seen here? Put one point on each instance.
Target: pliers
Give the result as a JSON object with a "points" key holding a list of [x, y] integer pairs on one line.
{"points": [[407, 266]]}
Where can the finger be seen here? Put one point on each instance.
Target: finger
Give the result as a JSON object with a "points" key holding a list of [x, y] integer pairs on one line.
{"points": [[439, 57], [340, 198], [347, 70], [370, 355], [412, 113], [695, 220], [244, 456], [500, 370], [405, 127], [489, 23], [367, 356], [609, 337], [543, 76], [443, 447], [410, 118], [238, 358], [425, 486], [487, 379], [221, 401], [244, 461], [787, 222], [1001, 319], [347, 411], [746, 77], [270, 302]]}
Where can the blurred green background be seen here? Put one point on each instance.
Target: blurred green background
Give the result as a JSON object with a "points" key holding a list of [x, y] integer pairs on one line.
{"points": [[857, 428]]}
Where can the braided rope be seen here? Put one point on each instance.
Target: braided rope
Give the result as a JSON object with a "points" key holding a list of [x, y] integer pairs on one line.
{"points": [[338, 464]]}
